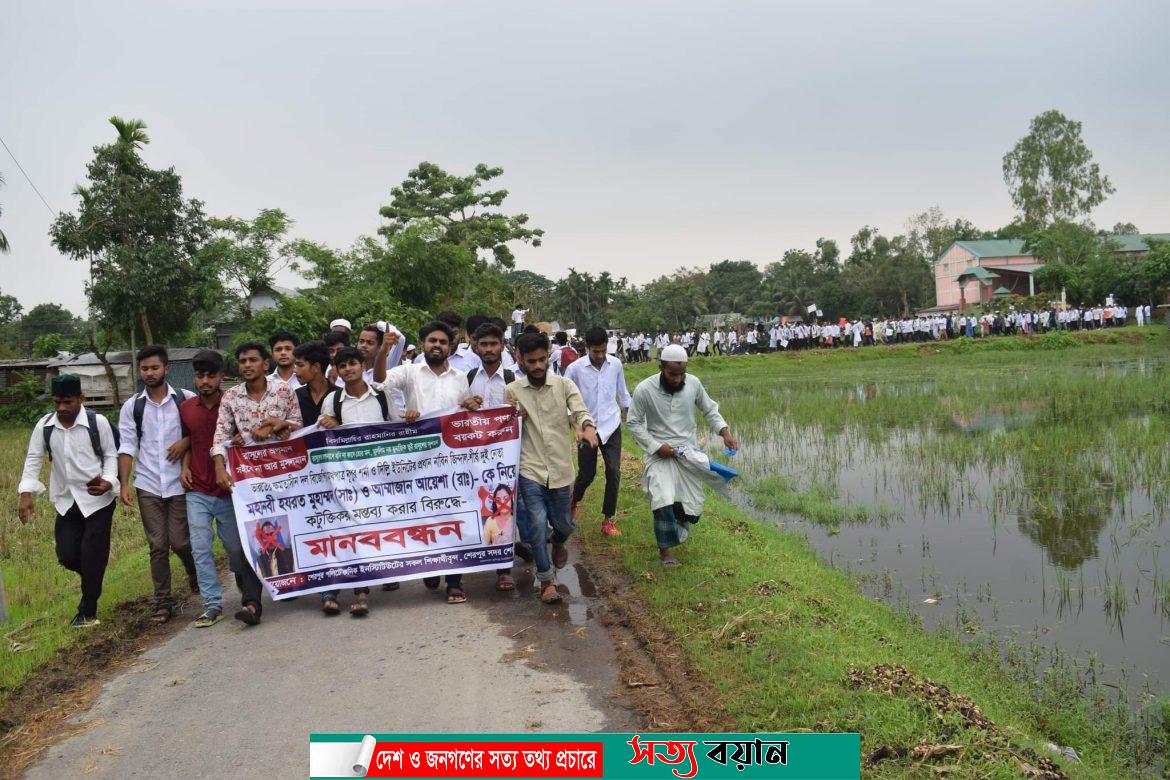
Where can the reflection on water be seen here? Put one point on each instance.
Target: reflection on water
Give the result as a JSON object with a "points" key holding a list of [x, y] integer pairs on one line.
{"points": [[998, 529]]}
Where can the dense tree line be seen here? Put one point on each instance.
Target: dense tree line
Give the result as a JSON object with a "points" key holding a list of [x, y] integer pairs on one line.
{"points": [[162, 270]]}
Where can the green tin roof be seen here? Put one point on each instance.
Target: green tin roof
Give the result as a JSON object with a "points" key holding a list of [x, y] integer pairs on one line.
{"points": [[979, 272], [1001, 292]]}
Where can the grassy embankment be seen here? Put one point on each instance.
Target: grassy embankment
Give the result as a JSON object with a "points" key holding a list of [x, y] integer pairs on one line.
{"points": [[792, 644], [42, 596]]}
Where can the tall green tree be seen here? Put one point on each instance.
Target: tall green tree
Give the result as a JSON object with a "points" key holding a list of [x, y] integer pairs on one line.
{"points": [[249, 253], [1050, 172], [732, 286], [141, 238], [10, 309], [583, 300], [468, 214]]}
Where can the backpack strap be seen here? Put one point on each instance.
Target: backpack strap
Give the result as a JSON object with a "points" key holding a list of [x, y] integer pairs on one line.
{"points": [[337, 406], [509, 376], [139, 413], [95, 436], [384, 403], [471, 376], [47, 431]]}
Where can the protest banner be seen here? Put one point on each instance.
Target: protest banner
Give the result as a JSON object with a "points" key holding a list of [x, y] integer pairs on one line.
{"points": [[369, 503]]}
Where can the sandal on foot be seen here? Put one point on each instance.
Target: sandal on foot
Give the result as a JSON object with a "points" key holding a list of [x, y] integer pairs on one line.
{"points": [[671, 561], [549, 594], [432, 583], [359, 607], [455, 595], [330, 607], [161, 615], [249, 617], [505, 582], [209, 618]]}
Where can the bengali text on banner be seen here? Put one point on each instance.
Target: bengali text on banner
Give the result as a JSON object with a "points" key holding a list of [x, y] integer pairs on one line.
{"points": [[379, 502]]}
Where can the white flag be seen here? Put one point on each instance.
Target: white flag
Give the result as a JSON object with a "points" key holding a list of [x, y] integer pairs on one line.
{"points": [[812, 307]]}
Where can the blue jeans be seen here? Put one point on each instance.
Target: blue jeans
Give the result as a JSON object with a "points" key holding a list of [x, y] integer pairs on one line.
{"points": [[202, 511], [538, 507]]}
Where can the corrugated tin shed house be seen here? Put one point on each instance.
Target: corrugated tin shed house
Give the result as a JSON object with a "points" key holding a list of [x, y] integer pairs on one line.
{"points": [[96, 385]]}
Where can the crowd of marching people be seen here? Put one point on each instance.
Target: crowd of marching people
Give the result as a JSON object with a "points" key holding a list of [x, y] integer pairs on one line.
{"points": [[793, 333], [167, 452]]}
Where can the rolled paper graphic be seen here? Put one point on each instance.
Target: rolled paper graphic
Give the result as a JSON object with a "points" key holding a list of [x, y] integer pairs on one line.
{"points": [[361, 764]]}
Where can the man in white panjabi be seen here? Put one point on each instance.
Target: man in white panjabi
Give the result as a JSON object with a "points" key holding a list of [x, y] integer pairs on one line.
{"points": [[662, 420]]}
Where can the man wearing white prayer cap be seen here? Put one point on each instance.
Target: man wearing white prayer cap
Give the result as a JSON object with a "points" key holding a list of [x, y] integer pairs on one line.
{"points": [[341, 324], [662, 420]]}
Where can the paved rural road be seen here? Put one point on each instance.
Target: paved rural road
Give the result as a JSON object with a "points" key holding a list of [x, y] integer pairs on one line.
{"points": [[235, 702]]}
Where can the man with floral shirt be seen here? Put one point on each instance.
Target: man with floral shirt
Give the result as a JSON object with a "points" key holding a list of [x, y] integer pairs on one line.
{"points": [[257, 410]]}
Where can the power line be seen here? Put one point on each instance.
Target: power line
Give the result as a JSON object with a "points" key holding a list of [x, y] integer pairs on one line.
{"points": [[26, 178]]}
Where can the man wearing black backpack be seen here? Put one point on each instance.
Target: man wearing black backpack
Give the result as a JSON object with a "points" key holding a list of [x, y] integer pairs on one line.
{"points": [[358, 401], [152, 440], [83, 484]]}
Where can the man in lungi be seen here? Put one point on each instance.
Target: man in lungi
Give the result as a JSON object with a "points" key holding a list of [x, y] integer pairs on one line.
{"points": [[662, 421]]}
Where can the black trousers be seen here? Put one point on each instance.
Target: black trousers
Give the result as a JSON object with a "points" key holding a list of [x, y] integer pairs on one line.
{"points": [[83, 546], [611, 453]]}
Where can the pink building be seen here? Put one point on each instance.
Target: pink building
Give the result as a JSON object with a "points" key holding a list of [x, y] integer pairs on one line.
{"points": [[969, 273]]}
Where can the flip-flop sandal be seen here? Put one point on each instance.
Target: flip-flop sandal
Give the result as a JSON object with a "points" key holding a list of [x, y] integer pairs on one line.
{"points": [[161, 615], [359, 608], [330, 607], [209, 618], [671, 561], [549, 595], [456, 595], [432, 583], [505, 582]]}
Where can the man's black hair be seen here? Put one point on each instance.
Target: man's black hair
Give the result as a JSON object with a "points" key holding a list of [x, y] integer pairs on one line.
{"points": [[335, 337], [207, 361], [153, 350], [313, 352], [452, 319], [596, 336], [486, 330], [530, 342], [373, 328], [531, 329], [283, 335], [499, 323], [249, 346], [431, 327], [474, 321], [346, 354], [561, 338]]}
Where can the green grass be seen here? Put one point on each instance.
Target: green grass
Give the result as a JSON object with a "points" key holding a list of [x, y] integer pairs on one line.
{"points": [[777, 631], [42, 595]]}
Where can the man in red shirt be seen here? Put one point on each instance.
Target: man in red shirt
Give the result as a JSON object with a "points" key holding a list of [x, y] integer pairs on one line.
{"points": [[207, 502]]}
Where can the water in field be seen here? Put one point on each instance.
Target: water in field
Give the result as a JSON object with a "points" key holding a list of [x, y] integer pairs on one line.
{"points": [[1022, 497]]}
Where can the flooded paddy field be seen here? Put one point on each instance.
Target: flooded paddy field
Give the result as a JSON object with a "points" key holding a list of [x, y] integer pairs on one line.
{"points": [[1009, 496]]}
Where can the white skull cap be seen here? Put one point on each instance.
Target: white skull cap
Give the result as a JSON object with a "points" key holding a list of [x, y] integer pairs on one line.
{"points": [[673, 353]]}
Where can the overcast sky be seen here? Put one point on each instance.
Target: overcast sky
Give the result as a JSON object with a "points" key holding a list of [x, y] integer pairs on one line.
{"points": [[642, 136]]}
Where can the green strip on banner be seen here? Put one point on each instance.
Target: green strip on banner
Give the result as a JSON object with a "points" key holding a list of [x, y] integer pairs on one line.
{"points": [[748, 756], [369, 451]]}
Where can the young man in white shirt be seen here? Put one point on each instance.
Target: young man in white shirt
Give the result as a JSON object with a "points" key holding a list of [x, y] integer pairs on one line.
{"points": [[427, 387], [603, 386], [282, 345], [83, 484], [152, 437], [357, 402], [486, 385]]}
